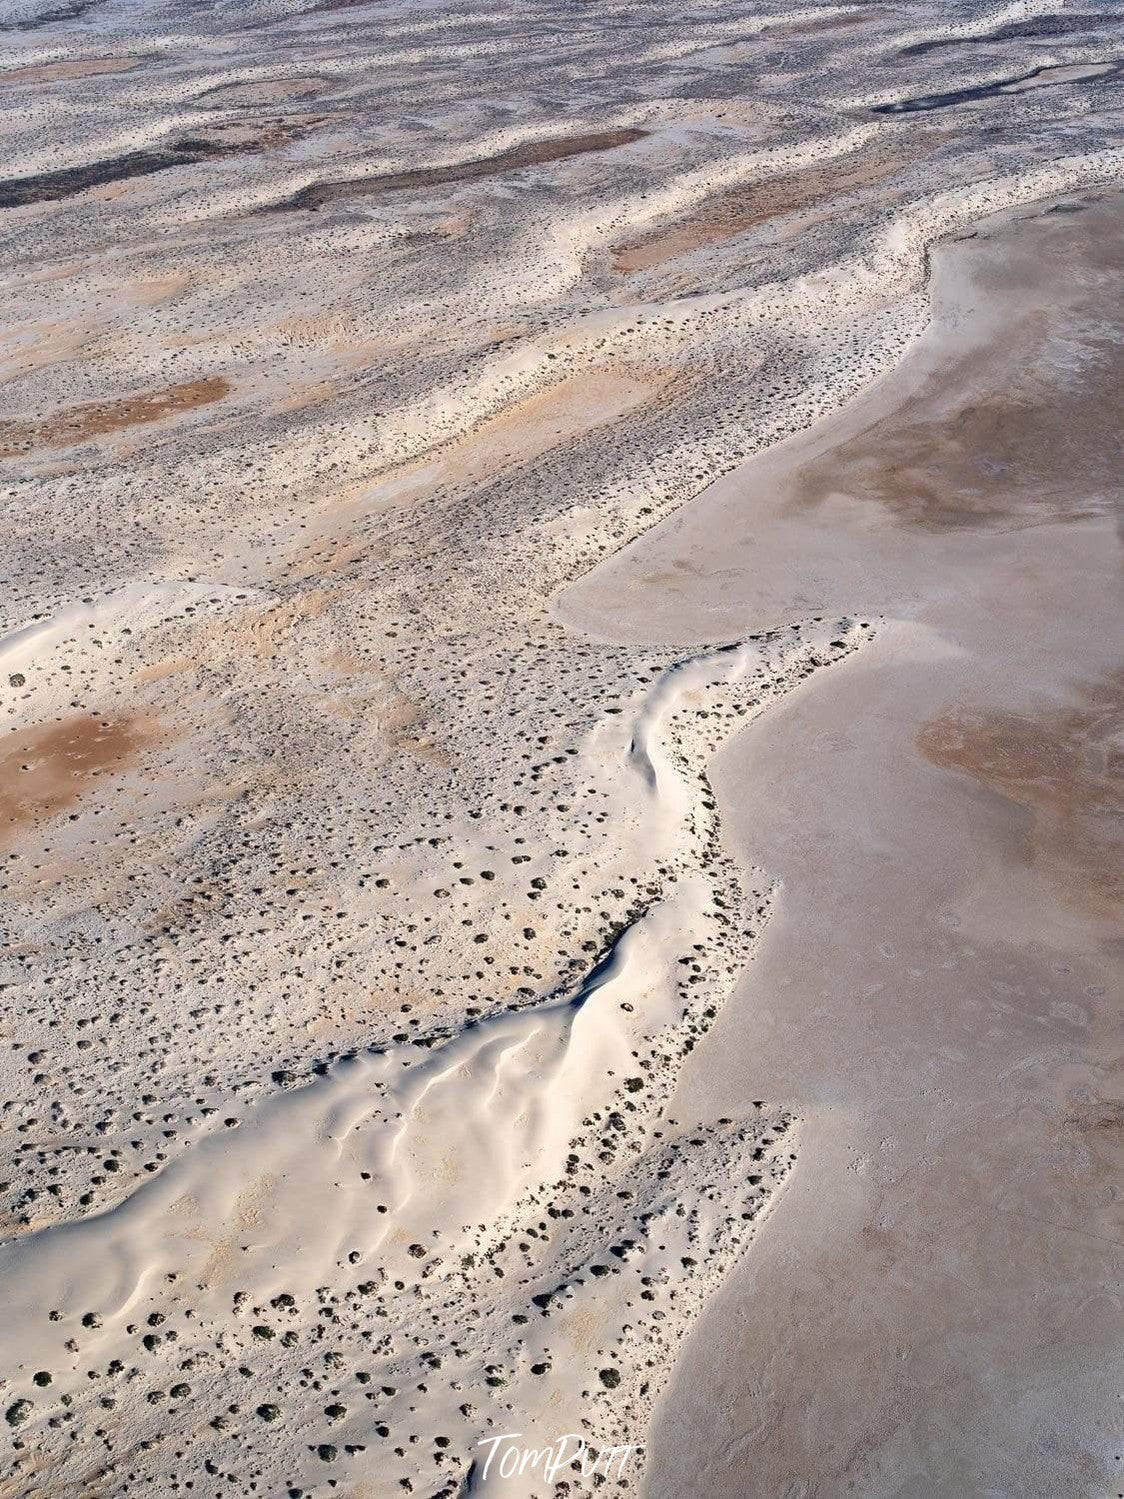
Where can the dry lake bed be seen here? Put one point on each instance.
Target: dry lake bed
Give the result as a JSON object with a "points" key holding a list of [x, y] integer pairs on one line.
{"points": [[560, 750]]}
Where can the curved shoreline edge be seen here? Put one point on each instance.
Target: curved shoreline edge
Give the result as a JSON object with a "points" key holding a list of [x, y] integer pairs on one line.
{"points": [[1004, 501]]}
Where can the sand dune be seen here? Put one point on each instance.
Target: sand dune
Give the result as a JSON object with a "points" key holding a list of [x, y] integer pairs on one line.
{"points": [[404, 1176]]}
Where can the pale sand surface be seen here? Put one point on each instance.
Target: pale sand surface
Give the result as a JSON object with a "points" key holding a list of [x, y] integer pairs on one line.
{"points": [[936, 1308], [357, 916]]}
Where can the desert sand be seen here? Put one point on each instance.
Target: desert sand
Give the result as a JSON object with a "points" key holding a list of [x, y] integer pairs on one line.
{"points": [[937, 1308], [556, 816]]}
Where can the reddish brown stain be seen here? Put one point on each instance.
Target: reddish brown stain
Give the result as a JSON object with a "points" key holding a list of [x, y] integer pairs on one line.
{"points": [[54, 72], [45, 770], [81, 423], [1022, 431], [1101, 1124], [1066, 769], [732, 213]]}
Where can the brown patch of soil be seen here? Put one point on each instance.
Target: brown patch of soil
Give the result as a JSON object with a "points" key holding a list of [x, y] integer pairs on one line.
{"points": [[46, 769], [1029, 434], [55, 72], [1064, 770], [732, 213], [263, 91], [81, 423]]}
